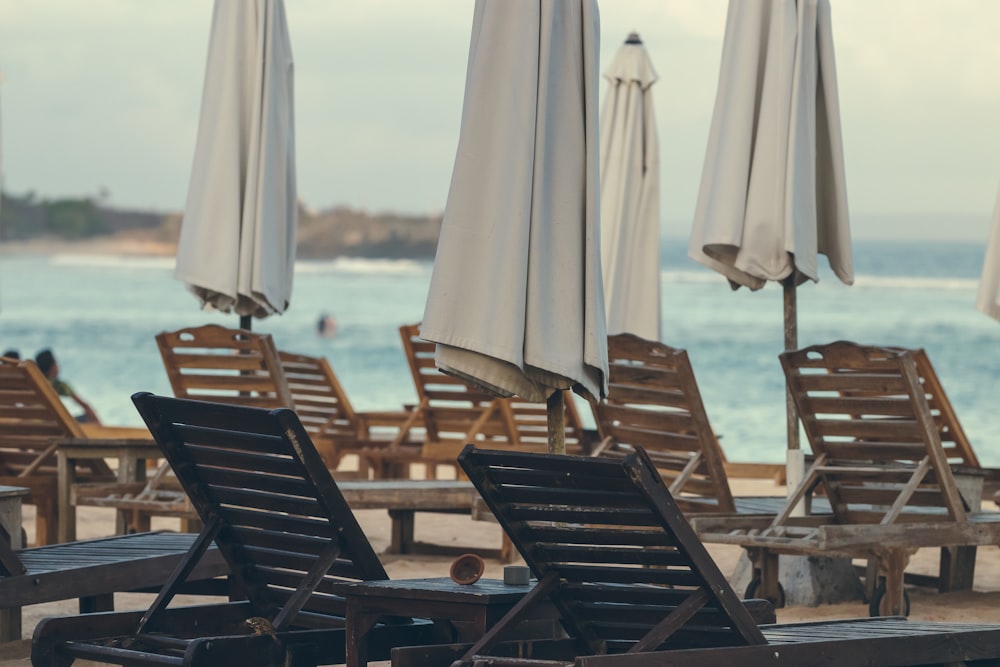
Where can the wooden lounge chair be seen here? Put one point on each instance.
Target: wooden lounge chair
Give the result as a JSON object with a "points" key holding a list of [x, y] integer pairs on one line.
{"points": [[93, 570], [654, 402], [32, 421], [280, 522], [880, 461], [208, 362], [635, 587], [453, 413], [326, 412]]}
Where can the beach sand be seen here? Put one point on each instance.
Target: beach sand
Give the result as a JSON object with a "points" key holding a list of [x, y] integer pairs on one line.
{"points": [[981, 605]]}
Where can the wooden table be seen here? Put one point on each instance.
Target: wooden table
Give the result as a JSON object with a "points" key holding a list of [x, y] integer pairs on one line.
{"points": [[404, 498], [465, 612], [131, 454]]}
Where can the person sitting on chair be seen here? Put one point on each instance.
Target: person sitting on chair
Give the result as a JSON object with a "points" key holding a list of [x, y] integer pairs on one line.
{"points": [[46, 362]]}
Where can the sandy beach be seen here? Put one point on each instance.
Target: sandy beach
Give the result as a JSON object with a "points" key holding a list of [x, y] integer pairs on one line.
{"points": [[980, 605]]}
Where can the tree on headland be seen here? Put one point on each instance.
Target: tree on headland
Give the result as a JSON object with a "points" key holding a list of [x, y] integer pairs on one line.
{"points": [[71, 219]]}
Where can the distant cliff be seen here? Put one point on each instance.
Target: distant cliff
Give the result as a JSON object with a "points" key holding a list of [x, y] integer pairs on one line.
{"points": [[336, 232]]}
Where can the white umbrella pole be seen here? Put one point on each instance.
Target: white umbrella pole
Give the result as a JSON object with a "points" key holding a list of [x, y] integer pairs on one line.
{"points": [[794, 457], [246, 322], [555, 408]]}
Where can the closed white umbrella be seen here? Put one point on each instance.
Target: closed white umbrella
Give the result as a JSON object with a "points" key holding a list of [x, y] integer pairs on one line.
{"points": [[630, 194], [773, 194], [237, 241], [515, 301], [988, 299]]}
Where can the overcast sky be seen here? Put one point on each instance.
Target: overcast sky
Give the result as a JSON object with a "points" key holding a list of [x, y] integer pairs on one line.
{"points": [[105, 94]]}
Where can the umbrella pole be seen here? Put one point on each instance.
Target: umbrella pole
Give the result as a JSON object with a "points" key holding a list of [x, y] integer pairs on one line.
{"points": [[246, 322], [555, 409], [794, 457]]}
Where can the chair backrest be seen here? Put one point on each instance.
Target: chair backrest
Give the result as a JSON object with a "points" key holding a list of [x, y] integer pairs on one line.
{"points": [[454, 412], [32, 419], [653, 402], [877, 445], [606, 539], [270, 503], [320, 401], [223, 365], [322, 405]]}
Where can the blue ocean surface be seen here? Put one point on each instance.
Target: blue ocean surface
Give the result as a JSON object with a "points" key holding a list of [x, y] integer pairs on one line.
{"points": [[100, 315]]}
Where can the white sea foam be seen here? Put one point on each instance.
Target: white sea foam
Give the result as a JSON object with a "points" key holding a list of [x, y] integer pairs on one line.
{"points": [[113, 261], [361, 265]]}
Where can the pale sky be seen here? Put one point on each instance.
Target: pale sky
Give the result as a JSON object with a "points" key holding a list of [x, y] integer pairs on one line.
{"points": [[105, 94]]}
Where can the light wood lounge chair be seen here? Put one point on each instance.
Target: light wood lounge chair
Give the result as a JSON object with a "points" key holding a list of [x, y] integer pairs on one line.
{"points": [[32, 421], [274, 511], [654, 402], [880, 461], [208, 362], [326, 412], [635, 587], [453, 413], [312, 388]]}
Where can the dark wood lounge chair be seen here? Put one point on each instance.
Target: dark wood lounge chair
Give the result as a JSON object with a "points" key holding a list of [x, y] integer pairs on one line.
{"points": [[881, 463], [635, 586], [278, 519], [93, 570]]}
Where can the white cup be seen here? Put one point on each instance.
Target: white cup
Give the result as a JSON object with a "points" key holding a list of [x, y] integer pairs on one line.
{"points": [[516, 575]]}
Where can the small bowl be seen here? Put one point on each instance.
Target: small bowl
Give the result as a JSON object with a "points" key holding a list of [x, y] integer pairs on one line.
{"points": [[467, 568]]}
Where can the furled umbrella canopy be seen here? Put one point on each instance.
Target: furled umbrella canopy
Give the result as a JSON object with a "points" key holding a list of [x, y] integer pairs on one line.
{"points": [[237, 241], [773, 191], [630, 194], [988, 299], [516, 299]]}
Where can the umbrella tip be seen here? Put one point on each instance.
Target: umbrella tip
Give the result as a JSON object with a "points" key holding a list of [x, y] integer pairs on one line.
{"points": [[633, 38]]}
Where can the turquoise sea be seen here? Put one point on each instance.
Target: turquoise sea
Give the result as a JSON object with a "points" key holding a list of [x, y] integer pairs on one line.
{"points": [[99, 314]]}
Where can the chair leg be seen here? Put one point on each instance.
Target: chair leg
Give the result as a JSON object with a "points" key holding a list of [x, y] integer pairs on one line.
{"points": [[10, 624], [957, 569], [93, 603]]}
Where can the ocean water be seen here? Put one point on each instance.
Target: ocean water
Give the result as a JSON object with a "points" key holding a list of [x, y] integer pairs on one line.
{"points": [[99, 314]]}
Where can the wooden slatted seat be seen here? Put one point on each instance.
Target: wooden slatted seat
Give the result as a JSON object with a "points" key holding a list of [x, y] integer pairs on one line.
{"points": [[277, 517], [880, 461], [635, 587], [32, 421]]}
